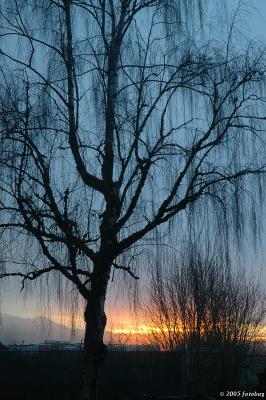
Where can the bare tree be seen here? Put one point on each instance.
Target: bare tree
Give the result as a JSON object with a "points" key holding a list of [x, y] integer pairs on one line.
{"points": [[113, 121], [208, 311]]}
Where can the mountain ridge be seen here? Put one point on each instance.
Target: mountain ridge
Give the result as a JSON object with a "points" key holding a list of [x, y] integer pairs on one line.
{"points": [[15, 329]]}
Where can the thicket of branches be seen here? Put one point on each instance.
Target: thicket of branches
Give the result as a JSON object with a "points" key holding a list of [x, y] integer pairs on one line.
{"points": [[211, 312]]}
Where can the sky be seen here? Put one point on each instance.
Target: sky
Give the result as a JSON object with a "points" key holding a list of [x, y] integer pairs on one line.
{"points": [[16, 303]]}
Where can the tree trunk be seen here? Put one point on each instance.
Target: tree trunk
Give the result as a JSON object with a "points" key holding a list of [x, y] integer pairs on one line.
{"points": [[94, 347]]}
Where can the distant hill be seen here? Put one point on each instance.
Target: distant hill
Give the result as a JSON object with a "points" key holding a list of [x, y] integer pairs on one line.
{"points": [[17, 330]]}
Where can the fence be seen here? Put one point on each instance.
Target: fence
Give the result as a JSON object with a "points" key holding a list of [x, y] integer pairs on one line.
{"points": [[48, 373]]}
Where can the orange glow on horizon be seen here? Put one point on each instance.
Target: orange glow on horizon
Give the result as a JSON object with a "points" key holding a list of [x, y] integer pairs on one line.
{"points": [[67, 321], [115, 328], [127, 327]]}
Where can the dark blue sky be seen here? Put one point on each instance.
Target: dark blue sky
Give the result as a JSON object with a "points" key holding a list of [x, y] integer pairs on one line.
{"points": [[252, 25]]}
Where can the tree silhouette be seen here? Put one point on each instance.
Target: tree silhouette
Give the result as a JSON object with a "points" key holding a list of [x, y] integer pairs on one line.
{"points": [[209, 311], [113, 121]]}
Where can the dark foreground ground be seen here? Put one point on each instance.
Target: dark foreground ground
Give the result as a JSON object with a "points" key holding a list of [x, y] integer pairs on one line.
{"points": [[56, 375]]}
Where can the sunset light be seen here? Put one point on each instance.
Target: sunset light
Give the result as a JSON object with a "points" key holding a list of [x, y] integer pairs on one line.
{"points": [[133, 330]]}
